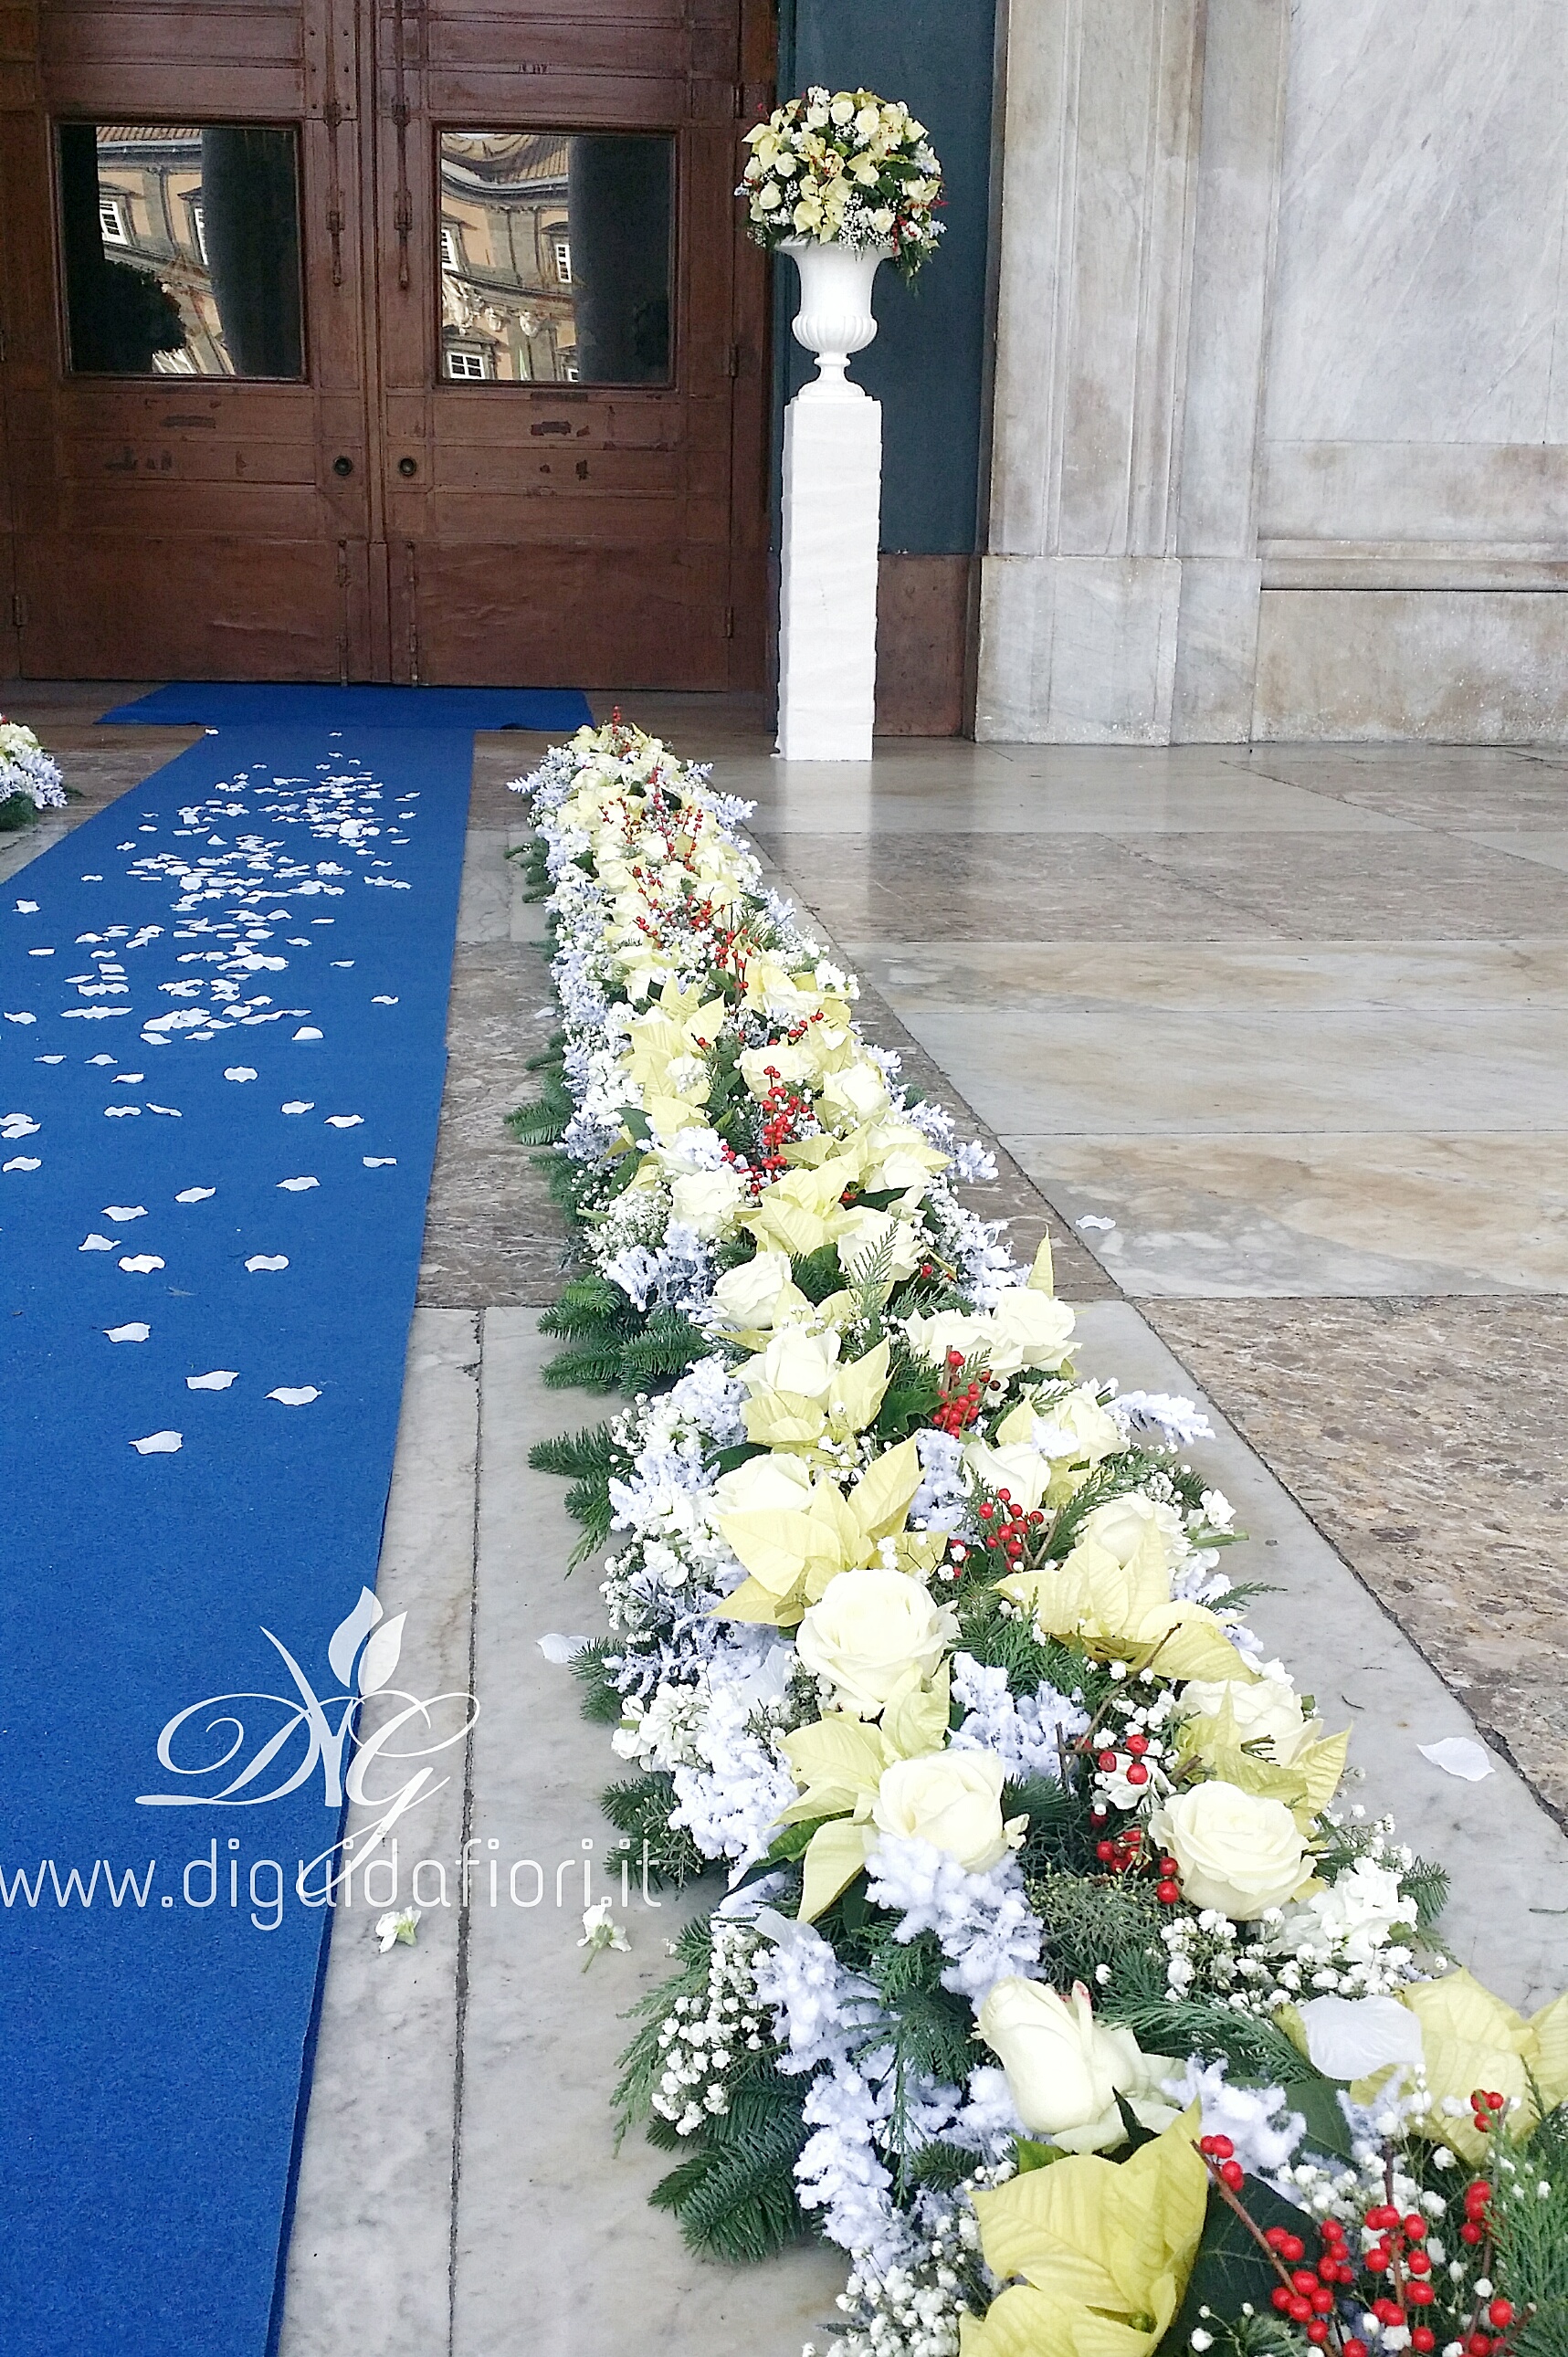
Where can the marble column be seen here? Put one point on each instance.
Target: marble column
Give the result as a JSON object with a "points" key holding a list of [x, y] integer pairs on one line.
{"points": [[827, 591], [1081, 587]]}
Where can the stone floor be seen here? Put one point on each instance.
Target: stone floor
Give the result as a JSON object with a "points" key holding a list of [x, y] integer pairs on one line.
{"points": [[1286, 1029]]}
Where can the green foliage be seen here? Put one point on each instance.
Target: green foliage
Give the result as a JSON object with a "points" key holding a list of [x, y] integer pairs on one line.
{"points": [[544, 1122], [1255, 2049], [589, 1307], [640, 2062], [16, 811], [1094, 1921], [595, 1367], [640, 1810], [914, 1391], [600, 1698], [941, 2166], [668, 1344], [818, 1274], [734, 2197], [1532, 2239], [1230, 2268], [532, 856]]}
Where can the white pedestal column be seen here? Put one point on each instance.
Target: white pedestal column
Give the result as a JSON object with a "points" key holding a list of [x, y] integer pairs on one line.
{"points": [[827, 604]]}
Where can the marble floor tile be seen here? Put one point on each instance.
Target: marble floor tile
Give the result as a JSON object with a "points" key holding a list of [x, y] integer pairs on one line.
{"points": [[1548, 847], [1425, 1440], [1241, 1069], [881, 802], [1008, 887], [1134, 977], [1405, 1213], [1412, 887]]}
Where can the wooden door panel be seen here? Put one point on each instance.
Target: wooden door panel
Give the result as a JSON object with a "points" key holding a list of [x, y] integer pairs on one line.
{"points": [[483, 615], [184, 608]]}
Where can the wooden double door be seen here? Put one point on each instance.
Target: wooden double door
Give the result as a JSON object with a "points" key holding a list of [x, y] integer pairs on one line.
{"points": [[382, 340]]}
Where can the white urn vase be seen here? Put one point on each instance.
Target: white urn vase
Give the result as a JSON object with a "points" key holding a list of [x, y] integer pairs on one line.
{"points": [[835, 317]]}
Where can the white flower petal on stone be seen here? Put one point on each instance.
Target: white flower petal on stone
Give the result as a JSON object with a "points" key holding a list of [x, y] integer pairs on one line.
{"points": [[218, 1381], [300, 1397], [158, 1444], [267, 1260], [1456, 1755], [1094, 1220], [558, 1648]]}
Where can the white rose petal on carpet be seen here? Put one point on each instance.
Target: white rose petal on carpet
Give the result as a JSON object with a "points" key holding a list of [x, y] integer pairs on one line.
{"points": [[239, 1072], [125, 1212], [344, 1120], [22, 1162], [307, 1031], [300, 1397], [380, 1161], [299, 1105], [297, 1185], [95, 1243], [195, 1194], [158, 1444], [135, 1331], [218, 1381], [141, 1264], [267, 1260]]}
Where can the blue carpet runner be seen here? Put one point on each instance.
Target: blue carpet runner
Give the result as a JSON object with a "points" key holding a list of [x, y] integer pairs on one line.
{"points": [[229, 704], [223, 1018]]}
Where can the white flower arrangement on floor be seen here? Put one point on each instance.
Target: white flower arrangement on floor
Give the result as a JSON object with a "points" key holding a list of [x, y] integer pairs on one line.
{"points": [[1053, 1978], [845, 167], [27, 769]]}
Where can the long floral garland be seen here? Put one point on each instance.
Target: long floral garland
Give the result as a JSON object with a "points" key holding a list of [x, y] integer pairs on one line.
{"points": [[1053, 1978], [30, 780]]}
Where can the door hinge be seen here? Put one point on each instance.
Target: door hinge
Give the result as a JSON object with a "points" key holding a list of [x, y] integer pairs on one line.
{"points": [[18, 611], [729, 622], [735, 360]]}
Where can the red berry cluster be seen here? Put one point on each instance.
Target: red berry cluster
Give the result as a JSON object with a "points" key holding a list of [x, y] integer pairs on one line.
{"points": [[959, 1407], [784, 1111], [1006, 1525]]}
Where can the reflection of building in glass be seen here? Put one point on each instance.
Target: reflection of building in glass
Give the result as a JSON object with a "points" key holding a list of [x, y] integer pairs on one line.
{"points": [[149, 214], [507, 307]]}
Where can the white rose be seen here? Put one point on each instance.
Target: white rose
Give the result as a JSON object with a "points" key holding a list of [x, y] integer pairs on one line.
{"points": [[1035, 1326], [843, 109], [794, 1361], [1265, 1710], [951, 1798], [748, 1296], [1065, 2069], [763, 1068], [1133, 1529], [1077, 1428], [707, 1200], [950, 1329], [862, 1235], [858, 1093], [868, 1629], [770, 1484], [1017, 1468], [1234, 1850]]}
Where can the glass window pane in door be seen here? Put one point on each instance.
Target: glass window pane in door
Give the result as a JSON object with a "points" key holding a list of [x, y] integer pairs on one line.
{"points": [[181, 249], [557, 257]]}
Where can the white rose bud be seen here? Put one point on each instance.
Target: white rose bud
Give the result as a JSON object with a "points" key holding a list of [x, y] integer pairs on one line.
{"points": [[747, 1296], [951, 1798], [1064, 2067], [707, 1200], [1234, 1851], [868, 1629]]}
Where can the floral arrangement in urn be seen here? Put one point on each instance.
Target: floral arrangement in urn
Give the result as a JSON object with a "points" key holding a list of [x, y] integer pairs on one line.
{"points": [[844, 169], [1049, 1968], [29, 779]]}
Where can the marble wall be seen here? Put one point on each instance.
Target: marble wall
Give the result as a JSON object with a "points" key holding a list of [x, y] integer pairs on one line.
{"points": [[1280, 445]]}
